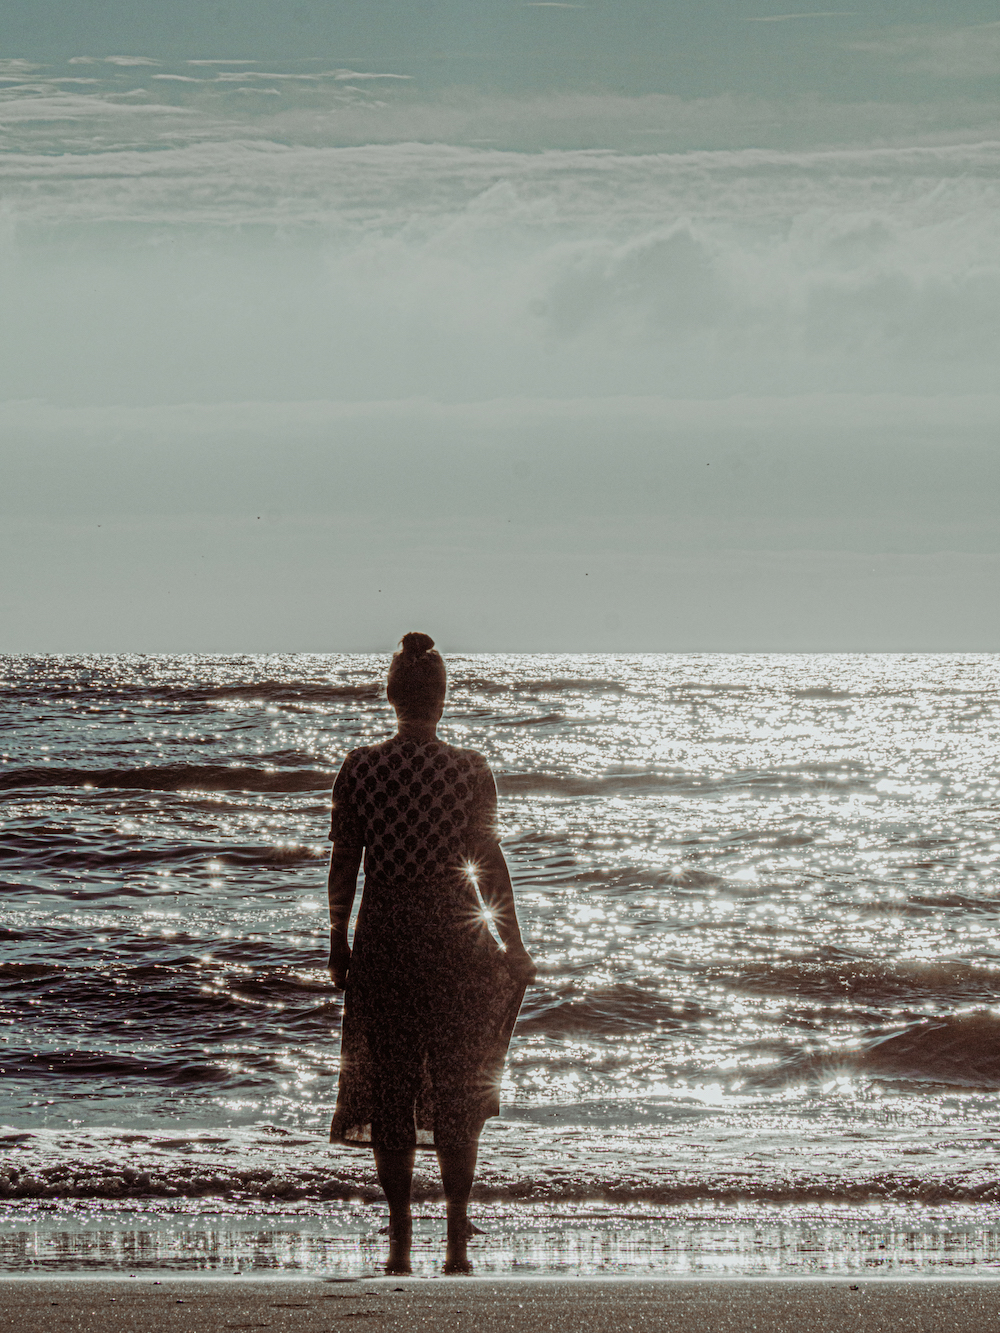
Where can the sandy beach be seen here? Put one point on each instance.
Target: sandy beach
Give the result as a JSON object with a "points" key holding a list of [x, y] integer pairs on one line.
{"points": [[125, 1305]]}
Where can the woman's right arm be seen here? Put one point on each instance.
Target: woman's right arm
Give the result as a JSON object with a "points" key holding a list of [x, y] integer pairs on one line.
{"points": [[341, 887], [348, 847]]}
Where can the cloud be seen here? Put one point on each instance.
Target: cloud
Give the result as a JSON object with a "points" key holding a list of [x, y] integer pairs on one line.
{"points": [[127, 61], [229, 176], [18, 68], [336, 106], [238, 76], [354, 74], [817, 14], [648, 124], [944, 53], [48, 103]]}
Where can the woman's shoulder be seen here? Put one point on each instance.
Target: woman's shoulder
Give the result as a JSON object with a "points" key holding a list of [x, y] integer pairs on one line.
{"points": [[353, 757], [467, 758], [436, 754]]}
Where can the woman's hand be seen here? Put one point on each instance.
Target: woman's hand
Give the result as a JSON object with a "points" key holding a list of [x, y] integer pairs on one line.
{"points": [[343, 883], [520, 962], [498, 896], [340, 961]]}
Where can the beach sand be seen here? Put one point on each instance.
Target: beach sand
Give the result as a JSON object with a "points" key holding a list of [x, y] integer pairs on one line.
{"points": [[145, 1304]]}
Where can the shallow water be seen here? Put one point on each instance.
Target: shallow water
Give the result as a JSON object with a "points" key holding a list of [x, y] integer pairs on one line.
{"points": [[520, 1240], [762, 892]]}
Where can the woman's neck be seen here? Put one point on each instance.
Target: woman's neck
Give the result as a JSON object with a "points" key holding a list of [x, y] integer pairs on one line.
{"points": [[416, 731]]}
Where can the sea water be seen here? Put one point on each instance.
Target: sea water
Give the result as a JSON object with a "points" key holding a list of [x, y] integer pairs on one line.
{"points": [[762, 892]]}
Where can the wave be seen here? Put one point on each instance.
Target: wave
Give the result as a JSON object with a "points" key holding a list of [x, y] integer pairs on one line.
{"points": [[115, 692], [180, 1070], [879, 692], [32, 848], [612, 1011], [702, 687], [961, 1050], [277, 691], [572, 784], [930, 904], [104, 1066], [864, 982], [147, 1175], [871, 984], [822, 692], [611, 784], [548, 719], [545, 685], [171, 777], [289, 778], [957, 1050]]}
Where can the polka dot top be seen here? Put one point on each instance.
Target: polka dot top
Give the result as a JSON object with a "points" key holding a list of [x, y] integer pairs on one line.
{"points": [[417, 808]]}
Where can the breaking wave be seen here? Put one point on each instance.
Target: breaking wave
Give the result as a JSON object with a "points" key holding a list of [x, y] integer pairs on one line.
{"points": [[958, 1050], [171, 777]]}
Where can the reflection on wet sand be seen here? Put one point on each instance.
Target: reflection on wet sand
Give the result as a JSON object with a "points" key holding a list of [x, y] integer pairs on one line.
{"points": [[525, 1240]]}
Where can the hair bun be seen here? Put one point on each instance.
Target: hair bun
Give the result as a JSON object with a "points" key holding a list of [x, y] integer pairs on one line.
{"points": [[416, 644]]}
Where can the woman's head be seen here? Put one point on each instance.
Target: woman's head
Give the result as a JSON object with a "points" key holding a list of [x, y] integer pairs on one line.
{"points": [[417, 680]]}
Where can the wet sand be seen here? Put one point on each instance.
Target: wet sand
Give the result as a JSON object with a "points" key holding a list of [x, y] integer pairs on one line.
{"points": [[145, 1304]]}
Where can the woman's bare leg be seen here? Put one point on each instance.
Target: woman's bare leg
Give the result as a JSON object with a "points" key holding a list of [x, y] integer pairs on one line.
{"points": [[395, 1174], [458, 1167]]}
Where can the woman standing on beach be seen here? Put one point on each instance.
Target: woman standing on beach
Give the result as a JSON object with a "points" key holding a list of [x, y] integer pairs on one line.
{"points": [[430, 998]]}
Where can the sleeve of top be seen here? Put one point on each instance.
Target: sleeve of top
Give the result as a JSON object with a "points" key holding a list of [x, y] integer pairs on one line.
{"points": [[345, 831], [482, 825]]}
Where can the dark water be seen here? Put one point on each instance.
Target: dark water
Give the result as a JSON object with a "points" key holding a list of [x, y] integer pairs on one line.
{"points": [[762, 891]]}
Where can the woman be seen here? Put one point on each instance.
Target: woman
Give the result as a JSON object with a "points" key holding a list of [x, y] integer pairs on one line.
{"points": [[431, 998]]}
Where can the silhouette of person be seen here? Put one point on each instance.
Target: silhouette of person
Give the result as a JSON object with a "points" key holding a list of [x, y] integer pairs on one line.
{"points": [[430, 996]]}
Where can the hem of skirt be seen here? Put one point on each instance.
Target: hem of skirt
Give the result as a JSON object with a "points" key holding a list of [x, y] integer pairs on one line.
{"points": [[367, 1143], [423, 1145]]}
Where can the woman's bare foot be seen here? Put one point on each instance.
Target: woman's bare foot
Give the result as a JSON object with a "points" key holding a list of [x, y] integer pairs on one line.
{"points": [[400, 1237], [456, 1259]]}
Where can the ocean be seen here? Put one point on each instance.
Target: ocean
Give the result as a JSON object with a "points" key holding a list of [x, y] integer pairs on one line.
{"points": [[761, 891]]}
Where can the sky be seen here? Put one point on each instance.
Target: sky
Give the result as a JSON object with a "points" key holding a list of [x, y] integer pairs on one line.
{"points": [[539, 327]]}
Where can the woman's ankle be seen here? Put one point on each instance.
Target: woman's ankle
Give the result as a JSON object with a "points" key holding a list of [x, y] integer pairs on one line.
{"points": [[460, 1229], [400, 1239]]}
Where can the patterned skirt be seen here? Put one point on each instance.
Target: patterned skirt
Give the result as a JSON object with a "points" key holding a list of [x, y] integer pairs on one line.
{"points": [[429, 1008]]}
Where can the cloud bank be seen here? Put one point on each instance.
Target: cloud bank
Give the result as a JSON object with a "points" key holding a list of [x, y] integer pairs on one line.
{"points": [[232, 270]]}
